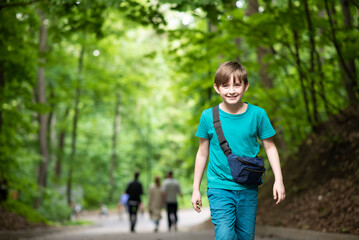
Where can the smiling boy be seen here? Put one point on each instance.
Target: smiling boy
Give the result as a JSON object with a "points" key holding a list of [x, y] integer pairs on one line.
{"points": [[233, 205]]}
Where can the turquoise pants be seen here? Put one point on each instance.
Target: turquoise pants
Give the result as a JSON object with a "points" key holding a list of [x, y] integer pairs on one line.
{"points": [[233, 213]]}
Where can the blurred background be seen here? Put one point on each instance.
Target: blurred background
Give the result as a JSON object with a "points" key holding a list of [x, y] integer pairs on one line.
{"points": [[91, 91]]}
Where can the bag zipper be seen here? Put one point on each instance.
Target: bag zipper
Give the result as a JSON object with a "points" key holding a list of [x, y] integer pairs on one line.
{"points": [[254, 170], [249, 163]]}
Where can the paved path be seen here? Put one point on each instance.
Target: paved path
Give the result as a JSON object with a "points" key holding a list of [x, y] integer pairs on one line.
{"points": [[120, 224], [115, 228]]}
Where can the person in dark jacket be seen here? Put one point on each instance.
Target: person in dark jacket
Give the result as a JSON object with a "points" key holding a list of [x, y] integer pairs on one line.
{"points": [[134, 190]]}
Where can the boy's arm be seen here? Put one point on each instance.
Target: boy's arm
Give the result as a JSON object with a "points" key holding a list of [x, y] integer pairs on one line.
{"points": [[201, 160], [273, 157]]}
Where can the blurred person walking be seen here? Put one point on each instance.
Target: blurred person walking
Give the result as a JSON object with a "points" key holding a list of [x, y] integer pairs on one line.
{"points": [[122, 204], [103, 210], [155, 202], [134, 191], [170, 189]]}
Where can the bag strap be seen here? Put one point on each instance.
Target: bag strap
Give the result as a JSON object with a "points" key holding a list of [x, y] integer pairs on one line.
{"points": [[217, 126]]}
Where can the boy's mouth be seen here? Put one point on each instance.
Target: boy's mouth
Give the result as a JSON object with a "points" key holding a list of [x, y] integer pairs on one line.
{"points": [[232, 97]]}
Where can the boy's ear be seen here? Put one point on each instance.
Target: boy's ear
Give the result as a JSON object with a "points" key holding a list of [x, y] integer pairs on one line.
{"points": [[247, 86], [216, 88]]}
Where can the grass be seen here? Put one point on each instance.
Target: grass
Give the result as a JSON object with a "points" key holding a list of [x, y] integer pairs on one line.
{"points": [[77, 223]]}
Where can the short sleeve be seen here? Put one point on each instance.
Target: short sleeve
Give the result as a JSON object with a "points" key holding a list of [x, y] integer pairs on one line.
{"points": [[202, 130], [265, 128]]}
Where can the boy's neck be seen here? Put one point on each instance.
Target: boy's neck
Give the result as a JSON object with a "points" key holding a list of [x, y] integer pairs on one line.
{"points": [[234, 108]]}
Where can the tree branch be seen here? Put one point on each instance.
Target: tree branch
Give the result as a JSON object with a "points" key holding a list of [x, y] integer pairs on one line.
{"points": [[354, 3], [335, 42], [18, 4]]}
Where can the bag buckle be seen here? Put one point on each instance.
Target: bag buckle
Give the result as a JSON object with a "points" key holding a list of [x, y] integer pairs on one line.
{"points": [[225, 148]]}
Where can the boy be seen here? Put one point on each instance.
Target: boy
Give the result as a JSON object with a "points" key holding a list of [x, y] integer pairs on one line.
{"points": [[233, 205]]}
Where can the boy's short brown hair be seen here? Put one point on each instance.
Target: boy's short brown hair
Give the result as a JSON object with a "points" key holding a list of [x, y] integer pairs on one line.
{"points": [[227, 69]]}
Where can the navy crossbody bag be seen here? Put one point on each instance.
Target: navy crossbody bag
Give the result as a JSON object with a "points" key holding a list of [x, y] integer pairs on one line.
{"points": [[245, 170]]}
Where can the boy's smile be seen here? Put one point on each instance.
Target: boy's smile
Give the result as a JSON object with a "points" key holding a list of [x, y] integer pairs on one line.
{"points": [[232, 92]]}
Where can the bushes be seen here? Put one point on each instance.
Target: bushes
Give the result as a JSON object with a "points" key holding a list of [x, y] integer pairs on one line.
{"points": [[54, 207], [55, 210], [24, 210]]}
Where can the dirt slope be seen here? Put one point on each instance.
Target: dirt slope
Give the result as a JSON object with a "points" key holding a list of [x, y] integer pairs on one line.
{"points": [[11, 221], [321, 181]]}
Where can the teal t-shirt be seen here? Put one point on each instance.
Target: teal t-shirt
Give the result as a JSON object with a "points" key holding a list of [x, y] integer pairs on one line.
{"points": [[241, 132]]}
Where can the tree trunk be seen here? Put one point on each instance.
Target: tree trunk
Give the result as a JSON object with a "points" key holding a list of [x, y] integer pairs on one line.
{"points": [[3, 182], [211, 28], [348, 72], [61, 149], [41, 98], [2, 91], [74, 125], [349, 63], [52, 123], [301, 73], [266, 81], [116, 125], [312, 76], [320, 60], [237, 41]]}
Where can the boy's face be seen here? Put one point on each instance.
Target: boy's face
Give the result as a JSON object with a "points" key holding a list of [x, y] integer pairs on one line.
{"points": [[232, 92]]}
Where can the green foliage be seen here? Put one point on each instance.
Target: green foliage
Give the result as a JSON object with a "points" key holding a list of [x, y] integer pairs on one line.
{"points": [[54, 207], [162, 76], [17, 78], [55, 210], [24, 210]]}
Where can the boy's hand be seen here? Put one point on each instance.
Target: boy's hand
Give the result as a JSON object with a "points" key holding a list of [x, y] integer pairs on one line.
{"points": [[278, 191], [196, 201]]}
